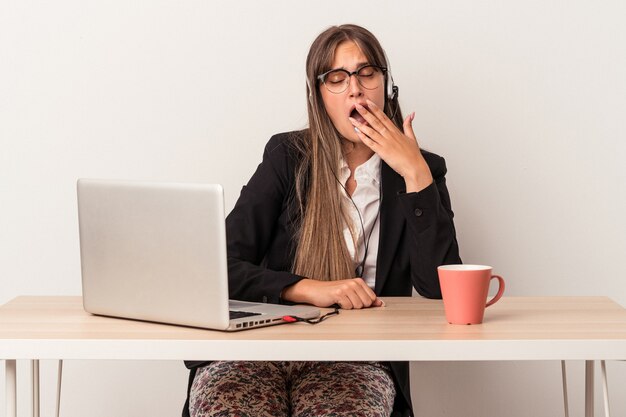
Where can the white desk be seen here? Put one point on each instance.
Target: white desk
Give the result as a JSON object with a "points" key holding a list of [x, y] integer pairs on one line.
{"points": [[408, 328]]}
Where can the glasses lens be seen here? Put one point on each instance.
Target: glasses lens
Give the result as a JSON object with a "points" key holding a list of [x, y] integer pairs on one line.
{"points": [[336, 81], [370, 77]]}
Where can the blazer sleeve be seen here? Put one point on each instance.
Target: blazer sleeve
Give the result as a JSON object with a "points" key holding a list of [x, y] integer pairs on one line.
{"points": [[251, 227], [432, 235]]}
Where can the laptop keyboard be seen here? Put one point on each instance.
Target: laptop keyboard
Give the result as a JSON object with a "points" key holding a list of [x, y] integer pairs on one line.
{"points": [[240, 314]]}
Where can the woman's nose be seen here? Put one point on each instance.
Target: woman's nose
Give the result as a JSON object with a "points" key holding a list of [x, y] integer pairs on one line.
{"points": [[354, 86]]}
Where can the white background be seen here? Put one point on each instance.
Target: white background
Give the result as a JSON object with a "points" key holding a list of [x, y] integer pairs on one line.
{"points": [[526, 100]]}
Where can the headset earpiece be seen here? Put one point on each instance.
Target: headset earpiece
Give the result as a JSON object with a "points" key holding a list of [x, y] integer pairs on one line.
{"points": [[392, 89], [394, 92]]}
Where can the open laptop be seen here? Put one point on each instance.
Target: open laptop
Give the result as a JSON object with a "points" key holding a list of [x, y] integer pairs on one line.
{"points": [[157, 252]]}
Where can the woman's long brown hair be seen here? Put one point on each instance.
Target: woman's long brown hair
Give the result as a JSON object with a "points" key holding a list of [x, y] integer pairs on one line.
{"points": [[321, 252]]}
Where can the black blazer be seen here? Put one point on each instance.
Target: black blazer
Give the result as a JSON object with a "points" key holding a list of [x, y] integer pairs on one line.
{"points": [[416, 235]]}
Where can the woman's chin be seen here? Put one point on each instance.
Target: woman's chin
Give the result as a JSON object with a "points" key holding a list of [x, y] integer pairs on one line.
{"points": [[352, 137]]}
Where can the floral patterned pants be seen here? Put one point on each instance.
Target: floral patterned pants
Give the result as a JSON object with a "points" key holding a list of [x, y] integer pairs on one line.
{"points": [[302, 389]]}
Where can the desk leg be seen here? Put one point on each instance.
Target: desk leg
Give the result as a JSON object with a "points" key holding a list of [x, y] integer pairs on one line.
{"points": [[34, 364], [605, 389], [59, 380], [589, 388], [11, 385], [565, 400]]}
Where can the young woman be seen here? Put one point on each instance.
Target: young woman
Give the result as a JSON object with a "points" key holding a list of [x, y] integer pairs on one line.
{"points": [[344, 212]]}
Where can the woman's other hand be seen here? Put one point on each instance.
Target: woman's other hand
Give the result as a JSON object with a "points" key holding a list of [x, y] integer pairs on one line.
{"points": [[347, 293], [399, 150]]}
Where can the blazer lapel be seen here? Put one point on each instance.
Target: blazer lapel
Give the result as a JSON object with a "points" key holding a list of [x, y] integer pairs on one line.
{"points": [[392, 223]]}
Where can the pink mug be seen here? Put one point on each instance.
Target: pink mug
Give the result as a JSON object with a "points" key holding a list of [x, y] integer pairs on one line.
{"points": [[465, 289]]}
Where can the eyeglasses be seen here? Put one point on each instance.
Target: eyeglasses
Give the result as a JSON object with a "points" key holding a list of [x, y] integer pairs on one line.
{"points": [[338, 80]]}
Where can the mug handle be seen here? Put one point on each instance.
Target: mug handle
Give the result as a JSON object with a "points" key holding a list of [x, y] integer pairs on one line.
{"points": [[500, 289]]}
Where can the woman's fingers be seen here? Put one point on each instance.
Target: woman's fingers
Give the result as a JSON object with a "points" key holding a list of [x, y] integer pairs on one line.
{"points": [[365, 293], [380, 115], [364, 130], [368, 142], [374, 122], [379, 127], [344, 302], [354, 293], [407, 126]]}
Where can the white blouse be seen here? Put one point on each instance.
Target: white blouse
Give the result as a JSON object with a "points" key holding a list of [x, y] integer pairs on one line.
{"points": [[366, 198]]}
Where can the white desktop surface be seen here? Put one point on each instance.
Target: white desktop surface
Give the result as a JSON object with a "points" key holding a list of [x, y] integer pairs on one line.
{"points": [[407, 328]]}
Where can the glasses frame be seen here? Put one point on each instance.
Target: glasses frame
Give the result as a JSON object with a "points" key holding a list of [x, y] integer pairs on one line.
{"points": [[350, 74]]}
